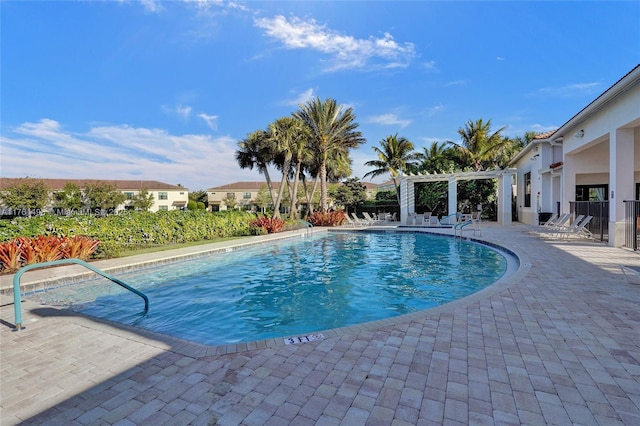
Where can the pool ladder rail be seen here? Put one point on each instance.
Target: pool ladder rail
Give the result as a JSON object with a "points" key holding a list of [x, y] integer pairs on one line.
{"points": [[308, 226], [17, 300]]}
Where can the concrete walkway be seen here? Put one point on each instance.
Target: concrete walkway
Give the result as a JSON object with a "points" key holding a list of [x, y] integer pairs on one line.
{"points": [[556, 343]]}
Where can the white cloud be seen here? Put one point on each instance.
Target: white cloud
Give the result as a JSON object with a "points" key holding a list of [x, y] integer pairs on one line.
{"points": [[345, 51], [302, 98], [45, 149], [181, 111], [211, 120], [455, 83], [431, 66], [389, 119], [436, 109], [569, 90], [152, 6], [430, 140]]}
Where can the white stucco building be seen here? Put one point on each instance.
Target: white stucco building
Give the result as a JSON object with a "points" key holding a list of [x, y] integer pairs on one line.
{"points": [[595, 156]]}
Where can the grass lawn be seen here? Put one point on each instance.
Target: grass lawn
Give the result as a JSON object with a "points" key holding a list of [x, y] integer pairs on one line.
{"points": [[166, 247]]}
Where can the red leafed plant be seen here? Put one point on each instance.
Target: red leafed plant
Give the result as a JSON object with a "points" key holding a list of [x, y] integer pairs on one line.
{"points": [[26, 251], [45, 248], [10, 256], [332, 218], [269, 224], [79, 247]]}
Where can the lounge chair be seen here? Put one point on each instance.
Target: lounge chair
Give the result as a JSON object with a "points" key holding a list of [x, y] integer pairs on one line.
{"points": [[551, 220], [561, 222], [371, 219], [552, 225], [361, 222], [349, 221], [577, 231], [576, 228], [426, 218]]}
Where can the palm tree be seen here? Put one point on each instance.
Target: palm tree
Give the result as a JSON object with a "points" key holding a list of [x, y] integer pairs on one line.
{"points": [[300, 154], [436, 158], [395, 157], [289, 136], [479, 145], [332, 129], [256, 151]]}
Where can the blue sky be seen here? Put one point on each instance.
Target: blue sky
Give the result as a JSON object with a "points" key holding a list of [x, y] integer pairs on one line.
{"points": [[164, 90]]}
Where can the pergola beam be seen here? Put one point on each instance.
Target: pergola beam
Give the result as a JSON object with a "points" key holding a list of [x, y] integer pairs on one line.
{"points": [[407, 197]]}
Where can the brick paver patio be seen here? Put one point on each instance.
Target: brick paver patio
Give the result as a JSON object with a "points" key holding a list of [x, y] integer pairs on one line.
{"points": [[557, 343]]}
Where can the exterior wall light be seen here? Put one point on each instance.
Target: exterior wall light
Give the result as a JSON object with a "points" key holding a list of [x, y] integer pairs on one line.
{"points": [[579, 134]]}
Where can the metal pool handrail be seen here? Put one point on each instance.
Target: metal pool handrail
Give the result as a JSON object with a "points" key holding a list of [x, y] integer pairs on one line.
{"points": [[17, 302]]}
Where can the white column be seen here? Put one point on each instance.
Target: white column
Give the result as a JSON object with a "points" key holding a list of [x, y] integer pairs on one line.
{"points": [[568, 183], [453, 195], [621, 181], [407, 200], [403, 201], [411, 198], [504, 199]]}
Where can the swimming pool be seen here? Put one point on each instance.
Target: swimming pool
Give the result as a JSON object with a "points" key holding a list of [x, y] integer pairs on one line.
{"points": [[293, 287]]}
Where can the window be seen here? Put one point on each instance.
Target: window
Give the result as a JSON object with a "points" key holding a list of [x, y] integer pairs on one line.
{"points": [[592, 192], [246, 196], [163, 196], [129, 195], [231, 195], [527, 189], [165, 208]]}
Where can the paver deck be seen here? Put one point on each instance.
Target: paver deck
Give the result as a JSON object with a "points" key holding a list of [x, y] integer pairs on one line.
{"points": [[557, 343]]}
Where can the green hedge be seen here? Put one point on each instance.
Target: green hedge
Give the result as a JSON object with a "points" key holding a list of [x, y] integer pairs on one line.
{"points": [[130, 229]]}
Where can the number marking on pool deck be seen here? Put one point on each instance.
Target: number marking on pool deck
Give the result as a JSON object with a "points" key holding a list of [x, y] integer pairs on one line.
{"points": [[303, 339]]}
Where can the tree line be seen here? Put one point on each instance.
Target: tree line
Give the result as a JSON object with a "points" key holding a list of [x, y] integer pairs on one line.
{"points": [[311, 147], [479, 149]]}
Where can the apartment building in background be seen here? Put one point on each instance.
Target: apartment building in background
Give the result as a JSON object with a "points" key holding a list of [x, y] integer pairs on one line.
{"points": [[249, 195], [165, 196]]}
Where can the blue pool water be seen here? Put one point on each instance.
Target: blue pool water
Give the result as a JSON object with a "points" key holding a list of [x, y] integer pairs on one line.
{"points": [[293, 287]]}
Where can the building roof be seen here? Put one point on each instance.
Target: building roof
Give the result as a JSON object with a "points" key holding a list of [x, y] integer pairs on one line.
{"points": [[629, 79], [545, 135], [257, 185], [254, 185], [121, 185], [369, 185]]}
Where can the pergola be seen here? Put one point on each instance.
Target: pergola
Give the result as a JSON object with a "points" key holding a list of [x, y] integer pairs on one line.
{"points": [[505, 177]]}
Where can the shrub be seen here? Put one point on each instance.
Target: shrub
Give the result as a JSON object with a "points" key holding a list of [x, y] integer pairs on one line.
{"points": [[41, 249], [10, 256], [129, 230], [27, 251], [331, 218], [269, 224], [79, 247]]}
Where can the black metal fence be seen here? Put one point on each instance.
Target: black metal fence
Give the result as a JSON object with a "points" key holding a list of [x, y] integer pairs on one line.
{"points": [[599, 225], [632, 224]]}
